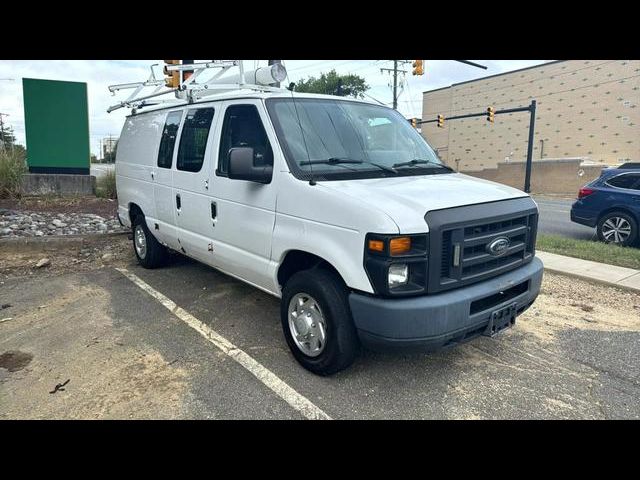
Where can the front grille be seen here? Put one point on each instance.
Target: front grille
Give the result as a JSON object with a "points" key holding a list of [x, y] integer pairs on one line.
{"points": [[461, 242], [445, 261]]}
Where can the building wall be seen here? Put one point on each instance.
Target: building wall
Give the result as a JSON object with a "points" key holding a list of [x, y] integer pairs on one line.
{"points": [[585, 108], [554, 176]]}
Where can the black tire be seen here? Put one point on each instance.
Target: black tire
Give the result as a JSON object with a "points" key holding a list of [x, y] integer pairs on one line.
{"points": [[156, 253], [630, 240], [329, 291]]}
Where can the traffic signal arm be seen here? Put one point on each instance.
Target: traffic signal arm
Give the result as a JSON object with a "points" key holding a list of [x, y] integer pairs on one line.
{"points": [[471, 115]]}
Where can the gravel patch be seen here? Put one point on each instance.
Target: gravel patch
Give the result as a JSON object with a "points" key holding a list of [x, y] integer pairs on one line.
{"points": [[31, 224]]}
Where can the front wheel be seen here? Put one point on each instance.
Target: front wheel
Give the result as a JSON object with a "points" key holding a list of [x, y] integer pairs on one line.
{"points": [[617, 227], [317, 323]]}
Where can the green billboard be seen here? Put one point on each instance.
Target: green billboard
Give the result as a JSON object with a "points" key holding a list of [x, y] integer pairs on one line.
{"points": [[56, 121]]}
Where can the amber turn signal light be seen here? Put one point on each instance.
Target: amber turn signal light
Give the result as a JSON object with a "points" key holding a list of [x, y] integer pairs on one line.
{"points": [[376, 245], [400, 245]]}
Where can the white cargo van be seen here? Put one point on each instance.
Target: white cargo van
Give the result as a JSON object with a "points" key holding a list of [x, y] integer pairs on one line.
{"points": [[338, 207]]}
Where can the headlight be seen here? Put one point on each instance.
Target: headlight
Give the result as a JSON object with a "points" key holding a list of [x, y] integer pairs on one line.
{"points": [[397, 264], [398, 274]]}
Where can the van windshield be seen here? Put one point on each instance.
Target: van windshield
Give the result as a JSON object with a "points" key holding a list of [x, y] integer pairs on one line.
{"points": [[328, 139]]}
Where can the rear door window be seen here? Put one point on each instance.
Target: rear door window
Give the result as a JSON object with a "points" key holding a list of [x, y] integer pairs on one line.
{"points": [[168, 140], [193, 140], [629, 181]]}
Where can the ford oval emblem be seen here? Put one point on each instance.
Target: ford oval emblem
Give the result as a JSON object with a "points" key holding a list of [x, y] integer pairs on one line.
{"points": [[499, 246]]}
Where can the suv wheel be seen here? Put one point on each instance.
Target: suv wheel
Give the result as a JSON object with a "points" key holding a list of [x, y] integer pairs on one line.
{"points": [[317, 323], [617, 227], [149, 252]]}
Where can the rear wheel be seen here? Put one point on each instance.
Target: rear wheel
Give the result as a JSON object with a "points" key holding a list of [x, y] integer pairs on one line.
{"points": [[149, 252], [317, 323], [617, 227]]}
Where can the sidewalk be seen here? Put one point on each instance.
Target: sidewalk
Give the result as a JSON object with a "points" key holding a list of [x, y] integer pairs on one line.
{"points": [[622, 277]]}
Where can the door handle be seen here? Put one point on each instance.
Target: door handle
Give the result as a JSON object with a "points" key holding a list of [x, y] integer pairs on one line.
{"points": [[178, 202], [153, 175], [214, 211]]}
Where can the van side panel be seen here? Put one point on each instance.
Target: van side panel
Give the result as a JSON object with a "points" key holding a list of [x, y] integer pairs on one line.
{"points": [[336, 233], [331, 243], [135, 163]]}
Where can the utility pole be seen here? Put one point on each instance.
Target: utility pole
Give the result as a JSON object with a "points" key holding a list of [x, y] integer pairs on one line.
{"points": [[401, 62], [395, 84], [395, 79]]}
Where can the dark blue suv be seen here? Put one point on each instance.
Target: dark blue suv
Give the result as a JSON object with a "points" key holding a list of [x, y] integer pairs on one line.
{"points": [[611, 204]]}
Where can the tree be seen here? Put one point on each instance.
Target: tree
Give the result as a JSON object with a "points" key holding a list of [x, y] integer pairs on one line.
{"points": [[333, 84]]}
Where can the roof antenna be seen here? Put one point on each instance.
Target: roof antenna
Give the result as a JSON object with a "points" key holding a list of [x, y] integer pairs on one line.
{"points": [[292, 86]]}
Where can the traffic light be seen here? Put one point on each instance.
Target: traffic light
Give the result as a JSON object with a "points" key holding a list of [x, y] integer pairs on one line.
{"points": [[491, 113], [440, 121], [186, 73], [172, 78], [417, 67], [414, 122]]}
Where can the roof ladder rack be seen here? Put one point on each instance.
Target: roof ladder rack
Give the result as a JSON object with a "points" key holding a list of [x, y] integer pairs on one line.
{"points": [[190, 89]]}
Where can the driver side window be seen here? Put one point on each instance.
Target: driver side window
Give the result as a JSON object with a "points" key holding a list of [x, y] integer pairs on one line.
{"points": [[242, 127]]}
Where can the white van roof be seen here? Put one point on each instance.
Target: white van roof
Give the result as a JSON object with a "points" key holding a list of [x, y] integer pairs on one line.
{"points": [[244, 93]]}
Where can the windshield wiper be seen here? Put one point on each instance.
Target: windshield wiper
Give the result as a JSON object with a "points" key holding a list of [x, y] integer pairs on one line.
{"points": [[417, 161], [339, 161], [330, 161]]}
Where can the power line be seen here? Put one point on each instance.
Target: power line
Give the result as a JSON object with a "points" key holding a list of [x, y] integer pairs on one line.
{"points": [[325, 62], [369, 65]]}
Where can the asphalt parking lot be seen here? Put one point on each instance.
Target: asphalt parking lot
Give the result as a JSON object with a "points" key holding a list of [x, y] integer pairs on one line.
{"points": [[574, 354]]}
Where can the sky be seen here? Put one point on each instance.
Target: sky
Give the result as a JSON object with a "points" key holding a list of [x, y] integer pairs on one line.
{"points": [[99, 74]]}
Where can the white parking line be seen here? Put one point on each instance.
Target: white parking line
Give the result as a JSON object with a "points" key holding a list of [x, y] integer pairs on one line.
{"points": [[271, 380]]}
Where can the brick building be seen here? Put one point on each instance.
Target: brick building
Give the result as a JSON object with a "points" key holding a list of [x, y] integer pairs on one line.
{"points": [[586, 109]]}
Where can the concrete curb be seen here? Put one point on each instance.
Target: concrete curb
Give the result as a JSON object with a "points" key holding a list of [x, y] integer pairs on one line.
{"points": [[602, 273], [53, 242]]}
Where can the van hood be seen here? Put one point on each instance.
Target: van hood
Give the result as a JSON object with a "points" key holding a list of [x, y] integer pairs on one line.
{"points": [[407, 199]]}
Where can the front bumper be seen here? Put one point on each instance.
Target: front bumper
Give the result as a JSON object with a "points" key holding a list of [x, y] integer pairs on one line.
{"points": [[430, 322]]}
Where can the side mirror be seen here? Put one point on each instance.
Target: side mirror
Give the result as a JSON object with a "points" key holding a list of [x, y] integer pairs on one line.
{"points": [[242, 166]]}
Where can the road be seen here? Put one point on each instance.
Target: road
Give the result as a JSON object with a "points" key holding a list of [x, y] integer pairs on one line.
{"points": [[554, 219], [130, 352]]}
